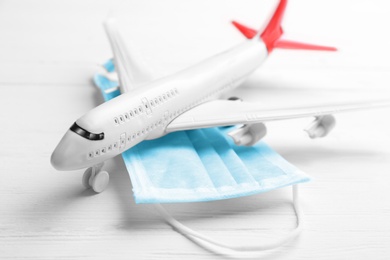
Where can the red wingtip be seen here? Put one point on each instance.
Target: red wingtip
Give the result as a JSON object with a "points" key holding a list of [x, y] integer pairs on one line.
{"points": [[285, 44], [246, 31]]}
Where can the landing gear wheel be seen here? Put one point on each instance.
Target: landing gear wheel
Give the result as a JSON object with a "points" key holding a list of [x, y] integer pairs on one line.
{"points": [[87, 175], [100, 181]]}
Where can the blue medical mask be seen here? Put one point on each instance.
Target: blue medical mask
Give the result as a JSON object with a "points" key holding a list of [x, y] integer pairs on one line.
{"points": [[203, 165]]}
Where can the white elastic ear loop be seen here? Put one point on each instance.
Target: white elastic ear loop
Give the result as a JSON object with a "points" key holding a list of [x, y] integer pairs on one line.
{"points": [[195, 236]]}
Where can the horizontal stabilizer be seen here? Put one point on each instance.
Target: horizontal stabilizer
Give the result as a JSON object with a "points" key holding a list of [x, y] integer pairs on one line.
{"points": [[283, 44], [246, 31]]}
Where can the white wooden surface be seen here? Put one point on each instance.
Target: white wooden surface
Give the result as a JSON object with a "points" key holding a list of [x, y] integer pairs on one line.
{"points": [[50, 49]]}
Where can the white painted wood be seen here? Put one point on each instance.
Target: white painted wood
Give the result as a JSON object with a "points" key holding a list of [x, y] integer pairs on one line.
{"points": [[50, 49]]}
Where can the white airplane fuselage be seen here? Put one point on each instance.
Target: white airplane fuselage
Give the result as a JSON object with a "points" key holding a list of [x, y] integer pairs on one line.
{"points": [[144, 113]]}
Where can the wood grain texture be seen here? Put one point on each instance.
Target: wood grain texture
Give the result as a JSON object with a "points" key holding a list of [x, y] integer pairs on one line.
{"points": [[49, 51]]}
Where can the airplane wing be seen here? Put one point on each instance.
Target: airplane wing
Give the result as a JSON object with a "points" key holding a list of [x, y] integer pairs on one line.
{"points": [[131, 70], [225, 112]]}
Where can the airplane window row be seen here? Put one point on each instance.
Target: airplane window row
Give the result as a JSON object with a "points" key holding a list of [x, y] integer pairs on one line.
{"points": [[154, 102], [159, 123], [103, 150], [130, 137]]}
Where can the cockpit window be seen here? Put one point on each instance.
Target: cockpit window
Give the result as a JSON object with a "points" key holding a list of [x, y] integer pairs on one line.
{"points": [[84, 133]]}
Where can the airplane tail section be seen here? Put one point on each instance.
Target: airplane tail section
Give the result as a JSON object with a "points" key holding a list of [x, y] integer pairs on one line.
{"points": [[273, 31]]}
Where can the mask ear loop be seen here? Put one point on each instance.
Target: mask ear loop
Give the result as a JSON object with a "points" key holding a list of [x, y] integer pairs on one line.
{"points": [[214, 246]]}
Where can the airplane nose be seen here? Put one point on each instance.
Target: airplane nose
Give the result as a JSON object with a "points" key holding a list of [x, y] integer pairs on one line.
{"points": [[57, 159], [66, 156]]}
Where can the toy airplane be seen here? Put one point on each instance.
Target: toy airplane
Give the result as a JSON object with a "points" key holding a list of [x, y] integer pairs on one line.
{"points": [[150, 108]]}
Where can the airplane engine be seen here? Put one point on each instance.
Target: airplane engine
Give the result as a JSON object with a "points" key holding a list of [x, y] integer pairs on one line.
{"points": [[321, 126], [248, 135]]}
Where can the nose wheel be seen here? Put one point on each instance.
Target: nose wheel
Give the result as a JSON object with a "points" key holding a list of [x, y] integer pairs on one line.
{"points": [[95, 178]]}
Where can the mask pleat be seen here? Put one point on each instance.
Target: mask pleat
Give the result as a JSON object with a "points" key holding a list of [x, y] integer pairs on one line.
{"points": [[217, 171], [162, 171], [269, 171], [167, 174], [233, 163]]}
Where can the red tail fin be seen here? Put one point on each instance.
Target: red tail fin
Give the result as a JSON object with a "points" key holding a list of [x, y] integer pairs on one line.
{"points": [[273, 32]]}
